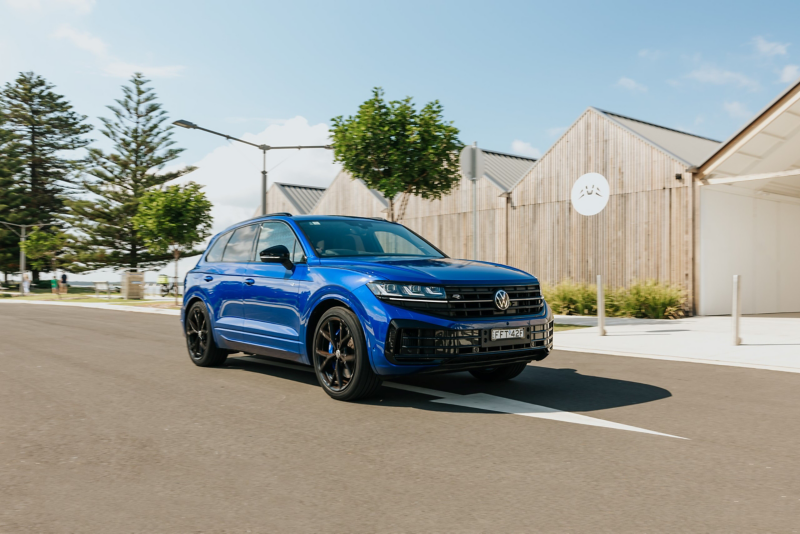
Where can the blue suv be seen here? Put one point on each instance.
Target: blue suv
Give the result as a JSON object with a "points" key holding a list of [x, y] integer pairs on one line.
{"points": [[360, 300]]}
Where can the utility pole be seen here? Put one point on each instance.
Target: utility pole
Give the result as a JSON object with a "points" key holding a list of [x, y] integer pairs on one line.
{"points": [[262, 148]]}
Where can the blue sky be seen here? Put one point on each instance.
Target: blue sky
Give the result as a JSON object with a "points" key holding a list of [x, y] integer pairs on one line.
{"points": [[511, 75]]}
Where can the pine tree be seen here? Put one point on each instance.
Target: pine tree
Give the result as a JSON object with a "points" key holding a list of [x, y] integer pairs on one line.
{"points": [[45, 127], [142, 147], [11, 199]]}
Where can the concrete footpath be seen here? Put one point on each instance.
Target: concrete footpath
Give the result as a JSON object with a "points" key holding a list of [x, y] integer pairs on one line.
{"points": [[97, 305], [767, 342]]}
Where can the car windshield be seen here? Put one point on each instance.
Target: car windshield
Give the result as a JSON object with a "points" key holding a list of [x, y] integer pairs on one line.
{"points": [[362, 237]]}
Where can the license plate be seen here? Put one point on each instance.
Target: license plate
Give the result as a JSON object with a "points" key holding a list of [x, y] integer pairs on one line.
{"points": [[507, 333]]}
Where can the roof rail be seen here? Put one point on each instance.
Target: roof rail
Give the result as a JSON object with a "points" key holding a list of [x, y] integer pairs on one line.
{"points": [[284, 213]]}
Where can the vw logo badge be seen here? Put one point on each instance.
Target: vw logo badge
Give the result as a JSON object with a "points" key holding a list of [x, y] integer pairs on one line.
{"points": [[501, 300]]}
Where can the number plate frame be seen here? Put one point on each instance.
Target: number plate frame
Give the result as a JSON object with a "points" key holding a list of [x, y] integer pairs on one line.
{"points": [[507, 334]]}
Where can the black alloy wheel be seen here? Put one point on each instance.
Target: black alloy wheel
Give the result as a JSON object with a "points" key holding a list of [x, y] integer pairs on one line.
{"points": [[336, 354], [340, 356], [199, 339]]}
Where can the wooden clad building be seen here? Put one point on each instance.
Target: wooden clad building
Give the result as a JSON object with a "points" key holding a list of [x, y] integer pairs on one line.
{"points": [[291, 198], [683, 209], [645, 231]]}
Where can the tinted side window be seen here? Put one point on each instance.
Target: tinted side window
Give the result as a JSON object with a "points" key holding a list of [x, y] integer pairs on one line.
{"points": [[215, 254], [275, 233], [240, 247]]}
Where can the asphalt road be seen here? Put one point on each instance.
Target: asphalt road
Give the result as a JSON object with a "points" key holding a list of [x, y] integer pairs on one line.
{"points": [[106, 426]]}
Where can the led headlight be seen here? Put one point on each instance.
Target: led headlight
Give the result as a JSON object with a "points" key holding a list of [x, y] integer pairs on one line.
{"points": [[407, 291]]}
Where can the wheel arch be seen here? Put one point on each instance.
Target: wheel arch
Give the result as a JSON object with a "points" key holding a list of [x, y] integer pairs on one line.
{"points": [[321, 307]]}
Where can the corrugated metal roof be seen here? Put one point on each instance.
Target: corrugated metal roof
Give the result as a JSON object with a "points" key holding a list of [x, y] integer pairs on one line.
{"points": [[505, 169], [305, 197], [693, 149]]}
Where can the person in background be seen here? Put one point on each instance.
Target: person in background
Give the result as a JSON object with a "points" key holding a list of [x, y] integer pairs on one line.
{"points": [[26, 284], [64, 287], [54, 285]]}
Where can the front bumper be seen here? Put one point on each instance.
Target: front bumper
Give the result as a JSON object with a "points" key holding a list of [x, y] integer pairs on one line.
{"points": [[405, 342]]}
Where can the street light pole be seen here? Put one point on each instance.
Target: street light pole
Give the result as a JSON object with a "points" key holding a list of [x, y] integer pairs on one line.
{"points": [[262, 148]]}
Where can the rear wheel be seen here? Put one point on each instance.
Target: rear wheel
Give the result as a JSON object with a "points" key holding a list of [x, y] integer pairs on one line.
{"points": [[199, 339], [500, 372], [340, 357]]}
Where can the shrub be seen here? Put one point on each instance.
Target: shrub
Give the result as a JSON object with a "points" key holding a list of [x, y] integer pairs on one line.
{"points": [[649, 299], [571, 298]]}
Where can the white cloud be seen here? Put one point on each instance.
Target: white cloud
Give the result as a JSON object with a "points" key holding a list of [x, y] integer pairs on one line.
{"points": [[717, 76], [82, 40], [121, 69], [737, 110], [631, 85], [81, 6], [111, 65], [525, 149], [790, 73], [767, 48], [231, 173], [647, 53], [265, 120], [557, 131]]}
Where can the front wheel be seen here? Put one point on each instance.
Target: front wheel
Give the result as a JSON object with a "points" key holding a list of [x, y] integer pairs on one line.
{"points": [[200, 340], [340, 357], [500, 372]]}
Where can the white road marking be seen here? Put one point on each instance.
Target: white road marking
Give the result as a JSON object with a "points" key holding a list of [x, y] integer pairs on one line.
{"points": [[492, 403], [487, 402]]}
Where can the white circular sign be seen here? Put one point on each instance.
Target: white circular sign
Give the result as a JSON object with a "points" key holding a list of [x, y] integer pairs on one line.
{"points": [[590, 194]]}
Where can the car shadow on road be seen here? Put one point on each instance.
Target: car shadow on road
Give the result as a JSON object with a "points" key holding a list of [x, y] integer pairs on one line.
{"points": [[562, 389]]}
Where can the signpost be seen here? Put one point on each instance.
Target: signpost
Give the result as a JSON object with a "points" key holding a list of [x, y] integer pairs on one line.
{"points": [[589, 197], [472, 164]]}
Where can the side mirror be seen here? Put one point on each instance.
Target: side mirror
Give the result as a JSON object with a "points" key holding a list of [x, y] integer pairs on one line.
{"points": [[277, 254]]}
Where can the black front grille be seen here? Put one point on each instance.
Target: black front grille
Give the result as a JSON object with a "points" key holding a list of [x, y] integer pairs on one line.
{"points": [[474, 302], [430, 345]]}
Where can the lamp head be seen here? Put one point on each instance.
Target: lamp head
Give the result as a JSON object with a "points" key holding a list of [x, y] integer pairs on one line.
{"points": [[185, 124]]}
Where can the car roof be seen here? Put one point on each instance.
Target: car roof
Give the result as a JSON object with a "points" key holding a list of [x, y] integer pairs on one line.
{"points": [[289, 216]]}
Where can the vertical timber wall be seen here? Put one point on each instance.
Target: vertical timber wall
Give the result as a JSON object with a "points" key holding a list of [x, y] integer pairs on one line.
{"points": [[645, 231]]}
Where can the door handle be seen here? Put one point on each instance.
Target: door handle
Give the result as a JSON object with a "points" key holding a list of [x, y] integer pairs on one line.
{"points": [[249, 281], [208, 278]]}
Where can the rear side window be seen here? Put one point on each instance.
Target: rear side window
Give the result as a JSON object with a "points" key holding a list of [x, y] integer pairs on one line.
{"points": [[240, 247], [215, 254]]}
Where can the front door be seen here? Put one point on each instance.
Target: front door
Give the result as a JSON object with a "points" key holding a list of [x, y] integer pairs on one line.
{"points": [[271, 296]]}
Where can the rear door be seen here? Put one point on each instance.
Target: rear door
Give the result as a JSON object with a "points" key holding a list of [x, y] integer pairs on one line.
{"points": [[271, 297], [227, 278]]}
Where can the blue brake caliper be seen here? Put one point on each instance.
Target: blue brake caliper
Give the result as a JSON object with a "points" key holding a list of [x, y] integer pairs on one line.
{"points": [[330, 350]]}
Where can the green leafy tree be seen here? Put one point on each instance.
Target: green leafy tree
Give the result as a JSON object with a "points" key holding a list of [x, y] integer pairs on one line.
{"points": [[118, 180], [396, 149], [47, 131], [11, 199], [44, 247], [174, 220]]}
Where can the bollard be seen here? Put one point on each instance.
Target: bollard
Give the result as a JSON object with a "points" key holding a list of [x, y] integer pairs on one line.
{"points": [[601, 306], [736, 313]]}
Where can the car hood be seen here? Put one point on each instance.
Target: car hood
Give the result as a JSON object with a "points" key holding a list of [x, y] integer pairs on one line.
{"points": [[431, 270]]}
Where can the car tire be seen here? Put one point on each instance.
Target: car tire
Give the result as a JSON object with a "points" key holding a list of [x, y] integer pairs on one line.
{"points": [[200, 339], [340, 357], [499, 373]]}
